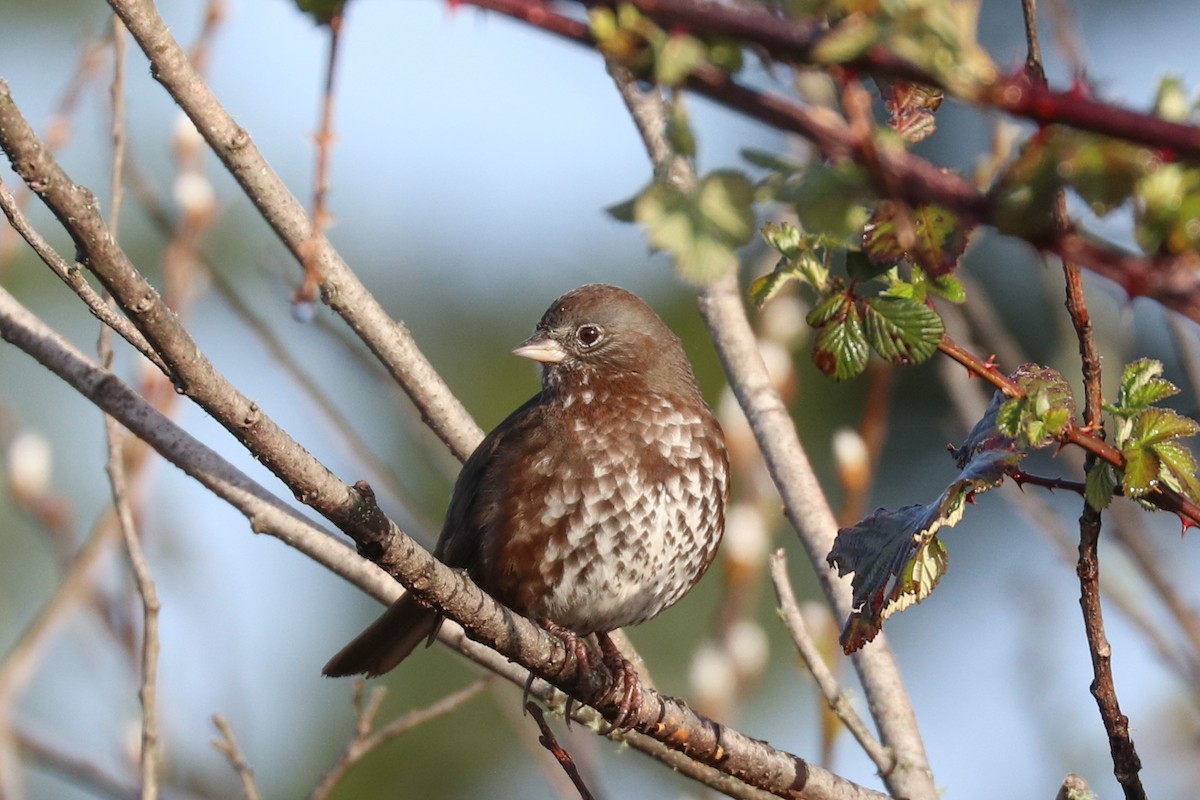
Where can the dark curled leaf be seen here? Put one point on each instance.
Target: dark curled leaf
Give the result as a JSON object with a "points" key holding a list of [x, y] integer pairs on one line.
{"points": [[896, 557]]}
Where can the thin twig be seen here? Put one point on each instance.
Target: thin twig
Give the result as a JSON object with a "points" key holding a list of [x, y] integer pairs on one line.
{"points": [[835, 696], [79, 770], [307, 293], [72, 276], [1126, 764], [560, 754], [228, 746], [364, 741]]}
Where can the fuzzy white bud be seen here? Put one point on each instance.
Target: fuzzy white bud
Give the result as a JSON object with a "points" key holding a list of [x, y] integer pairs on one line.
{"points": [[29, 463]]}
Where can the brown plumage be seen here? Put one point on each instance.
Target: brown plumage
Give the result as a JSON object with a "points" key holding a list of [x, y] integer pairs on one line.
{"points": [[595, 505]]}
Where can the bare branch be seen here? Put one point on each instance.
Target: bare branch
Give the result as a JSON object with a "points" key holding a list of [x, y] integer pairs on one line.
{"points": [[229, 747], [341, 288], [807, 648], [364, 741]]}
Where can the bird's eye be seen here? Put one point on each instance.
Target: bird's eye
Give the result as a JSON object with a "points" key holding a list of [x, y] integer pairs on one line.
{"points": [[589, 335]]}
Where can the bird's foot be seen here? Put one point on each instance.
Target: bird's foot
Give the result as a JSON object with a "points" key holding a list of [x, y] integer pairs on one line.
{"points": [[631, 685]]}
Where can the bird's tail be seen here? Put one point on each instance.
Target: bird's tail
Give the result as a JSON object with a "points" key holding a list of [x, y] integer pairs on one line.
{"points": [[387, 641]]}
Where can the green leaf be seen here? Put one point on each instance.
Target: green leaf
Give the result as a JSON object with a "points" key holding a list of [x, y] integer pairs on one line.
{"points": [[680, 55], [1154, 425], [701, 228], [764, 288], [679, 130], [1141, 472], [323, 11], [1100, 486], [1024, 196], [829, 200], [1102, 170], [840, 349], [848, 40], [902, 331], [1044, 414], [861, 268], [1178, 469], [1167, 210], [1141, 387], [1172, 103]]}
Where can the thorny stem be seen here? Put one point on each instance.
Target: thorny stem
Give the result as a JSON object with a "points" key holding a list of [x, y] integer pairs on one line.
{"points": [[1126, 764], [1170, 280]]}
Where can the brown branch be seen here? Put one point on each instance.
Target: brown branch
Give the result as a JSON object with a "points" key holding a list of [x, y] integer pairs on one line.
{"points": [[563, 758], [191, 371], [1126, 764], [307, 293], [73, 278]]}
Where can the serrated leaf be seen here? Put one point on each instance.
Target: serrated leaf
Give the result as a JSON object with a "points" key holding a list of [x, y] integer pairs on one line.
{"points": [[829, 308], [861, 268], [1178, 469], [1100, 486], [902, 331], [703, 228], [840, 349], [1141, 472], [1142, 386], [1155, 425], [784, 237], [929, 236], [764, 288]]}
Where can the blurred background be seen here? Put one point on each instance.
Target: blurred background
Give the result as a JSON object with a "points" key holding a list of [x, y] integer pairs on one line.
{"points": [[473, 163]]}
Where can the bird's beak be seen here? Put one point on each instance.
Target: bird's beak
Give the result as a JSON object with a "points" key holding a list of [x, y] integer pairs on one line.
{"points": [[540, 347]]}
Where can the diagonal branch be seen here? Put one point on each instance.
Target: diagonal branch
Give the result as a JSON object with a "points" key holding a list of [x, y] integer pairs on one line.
{"points": [[667, 720]]}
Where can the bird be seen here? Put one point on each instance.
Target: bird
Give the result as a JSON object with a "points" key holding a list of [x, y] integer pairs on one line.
{"points": [[594, 506]]}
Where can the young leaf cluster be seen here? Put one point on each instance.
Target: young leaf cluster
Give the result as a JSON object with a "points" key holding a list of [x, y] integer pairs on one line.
{"points": [[896, 323], [1148, 438]]}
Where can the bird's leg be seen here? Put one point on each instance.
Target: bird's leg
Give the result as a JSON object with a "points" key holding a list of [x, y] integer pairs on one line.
{"points": [[577, 653], [631, 684]]}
